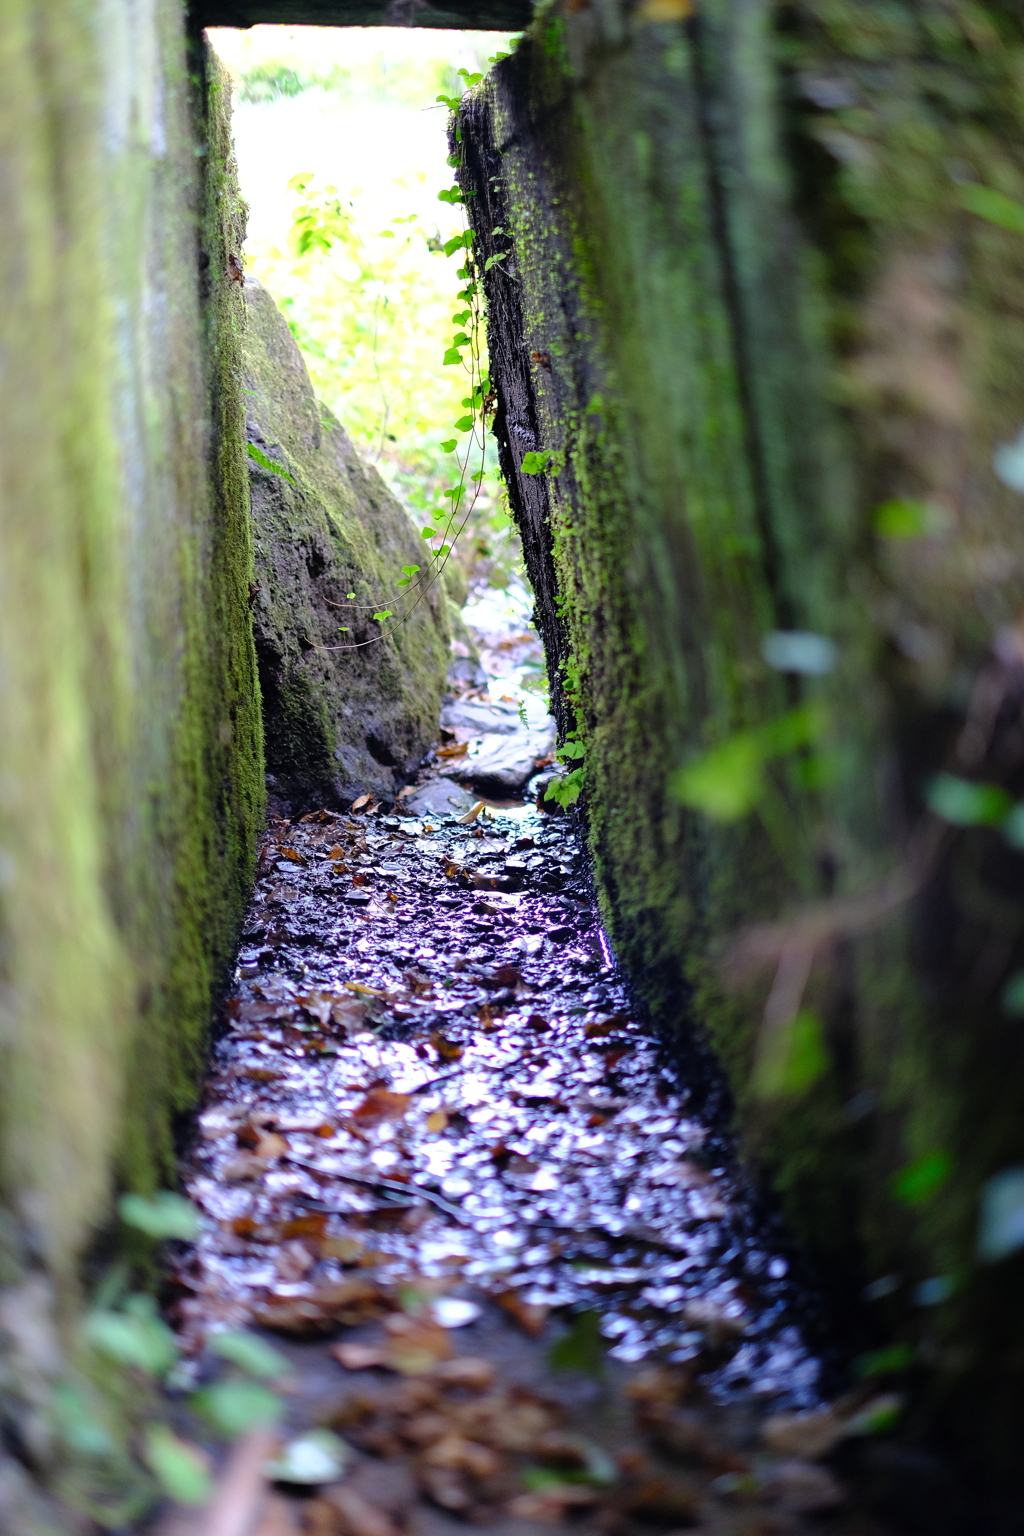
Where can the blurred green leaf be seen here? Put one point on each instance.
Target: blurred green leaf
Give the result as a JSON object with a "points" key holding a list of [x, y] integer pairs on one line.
{"points": [[922, 1178], [135, 1336], [794, 1056], [253, 1354], [725, 782], [965, 804], [181, 1469], [234, 1407], [890, 1361], [582, 1348], [994, 206], [902, 519], [162, 1215]]}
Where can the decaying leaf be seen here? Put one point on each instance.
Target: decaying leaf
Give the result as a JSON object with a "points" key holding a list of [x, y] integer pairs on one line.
{"points": [[380, 1105], [530, 1318]]}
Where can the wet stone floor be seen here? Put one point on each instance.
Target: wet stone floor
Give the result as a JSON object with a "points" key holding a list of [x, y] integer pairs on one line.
{"points": [[447, 1170]]}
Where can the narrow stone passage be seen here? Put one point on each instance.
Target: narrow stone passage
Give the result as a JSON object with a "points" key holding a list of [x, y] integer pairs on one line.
{"points": [[443, 1160]]}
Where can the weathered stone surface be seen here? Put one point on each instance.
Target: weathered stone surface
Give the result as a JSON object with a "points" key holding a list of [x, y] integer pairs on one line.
{"points": [[739, 298], [345, 713], [501, 762], [131, 775]]}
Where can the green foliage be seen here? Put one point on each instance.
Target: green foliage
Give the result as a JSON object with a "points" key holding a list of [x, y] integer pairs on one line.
{"points": [[965, 804], [161, 1216], [922, 1178], [903, 519], [134, 1336], [235, 1407], [264, 462], [535, 463], [581, 1349], [994, 206], [566, 789], [728, 781], [252, 1354], [180, 1469], [890, 1361], [793, 1057]]}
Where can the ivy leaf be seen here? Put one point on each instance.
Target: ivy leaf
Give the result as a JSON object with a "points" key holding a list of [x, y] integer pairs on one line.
{"points": [[428, 533], [234, 1407], [535, 463], [464, 424], [252, 1354], [445, 549], [725, 783], [994, 206], [164, 1214], [792, 1057], [409, 570], [405, 581], [922, 1178], [493, 260], [180, 1469], [965, 804], [385, 613], [135, 1336], [451, 195], [453, 355], [450, 445]]}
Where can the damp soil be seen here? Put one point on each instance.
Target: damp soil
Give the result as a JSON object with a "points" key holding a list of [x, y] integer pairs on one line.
{"points": [[448, 1169]]}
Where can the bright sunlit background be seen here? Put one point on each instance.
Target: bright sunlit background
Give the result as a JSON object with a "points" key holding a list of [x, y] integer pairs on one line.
{"points": [[352, 113]]}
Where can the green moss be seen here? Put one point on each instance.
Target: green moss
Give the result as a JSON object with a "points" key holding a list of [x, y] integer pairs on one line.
{"points": [[744, 242], [130, 772]]}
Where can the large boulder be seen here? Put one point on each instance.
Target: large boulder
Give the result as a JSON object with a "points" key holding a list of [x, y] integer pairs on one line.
{"points": [[352, 710]]}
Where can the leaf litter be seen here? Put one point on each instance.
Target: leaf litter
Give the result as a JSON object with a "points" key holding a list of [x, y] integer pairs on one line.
{"points": [[443, 1164]]}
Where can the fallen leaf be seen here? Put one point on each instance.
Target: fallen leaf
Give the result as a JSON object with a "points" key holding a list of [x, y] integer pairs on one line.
{"points": [[471, 1371], [471, 815], [358, 1357], [348, 1301], [305, 1226], [810, 1434], [357, 805], [437, 1121], [356, 1515], [530, 1318], [415, 1345], [380, 1105], [461, 1455], [448, 1050]]}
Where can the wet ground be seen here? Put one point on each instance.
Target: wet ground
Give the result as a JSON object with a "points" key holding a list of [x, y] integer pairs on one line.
{"points": [[444, 1164]]}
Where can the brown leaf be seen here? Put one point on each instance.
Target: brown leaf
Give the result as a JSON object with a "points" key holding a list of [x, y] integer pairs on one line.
{"points": [[347, 1301], [810, 1434], [530, 1318], [293, 854], [356, 1515], [305, 1226], [381, 1104], [415, 1345], [448, 1050], [470, 1371], [357, 805], [437, 1121], [358, 1357], [462, 1456]]}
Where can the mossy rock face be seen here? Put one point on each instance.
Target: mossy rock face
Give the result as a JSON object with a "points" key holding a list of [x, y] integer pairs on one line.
{"points": [[745, 310], [347, 710]]}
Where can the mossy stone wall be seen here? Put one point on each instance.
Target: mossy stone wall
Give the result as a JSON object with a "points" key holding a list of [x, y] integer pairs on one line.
{"points": [[131, 784], [743, 307], [351, 703]]}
